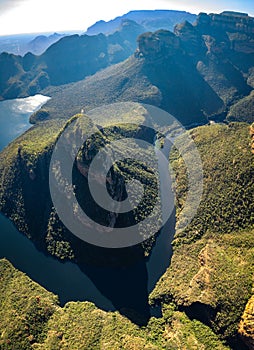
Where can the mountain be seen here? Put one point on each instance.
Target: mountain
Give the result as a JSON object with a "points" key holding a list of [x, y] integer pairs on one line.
{"points": [[41, 42], [149, 20], [206, 65], [201, 71], [209, 61], [210, 278], [70, 59], [30, 156], [24, 43]]}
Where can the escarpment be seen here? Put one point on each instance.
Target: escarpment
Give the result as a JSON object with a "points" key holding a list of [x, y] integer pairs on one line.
{"points": [[25, 194]]}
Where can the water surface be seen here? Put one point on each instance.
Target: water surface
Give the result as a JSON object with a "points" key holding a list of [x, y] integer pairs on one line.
{"points": [[109, 288]]}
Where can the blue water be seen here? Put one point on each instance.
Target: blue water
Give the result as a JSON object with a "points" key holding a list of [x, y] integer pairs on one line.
{"points": [[108, 288]]}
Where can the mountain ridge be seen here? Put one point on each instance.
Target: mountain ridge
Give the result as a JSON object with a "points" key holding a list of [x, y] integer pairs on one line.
{"points": [[205, 63], [151, 20]]}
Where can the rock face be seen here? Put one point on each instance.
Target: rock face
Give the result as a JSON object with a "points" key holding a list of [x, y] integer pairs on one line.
{"points": [[158, 45], [190, 38], [238, 26], [73, 58], [197, 64]]}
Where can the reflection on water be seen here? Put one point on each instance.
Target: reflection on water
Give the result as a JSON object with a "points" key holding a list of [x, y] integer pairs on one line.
{"points": [[14, 116]]}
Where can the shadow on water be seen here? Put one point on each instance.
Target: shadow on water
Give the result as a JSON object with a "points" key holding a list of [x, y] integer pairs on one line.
{"points": [[124, 288], [128, 287]]}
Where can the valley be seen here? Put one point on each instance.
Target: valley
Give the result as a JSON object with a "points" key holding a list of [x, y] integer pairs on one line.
{"points": [[187, 286]]}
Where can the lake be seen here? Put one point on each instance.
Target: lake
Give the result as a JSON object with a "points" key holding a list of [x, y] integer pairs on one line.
{"points": [[109, 288]]}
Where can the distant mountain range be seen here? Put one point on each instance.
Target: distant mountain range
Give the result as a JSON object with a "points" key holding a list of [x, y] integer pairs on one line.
{"points": [[208, 65], [202, 71], [21, 44], [149, 20]]}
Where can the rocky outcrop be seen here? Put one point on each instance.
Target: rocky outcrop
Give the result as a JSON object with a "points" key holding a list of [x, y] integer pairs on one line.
{"points": [[233, 21], [238, 26], [190, 38], [158, 45]]}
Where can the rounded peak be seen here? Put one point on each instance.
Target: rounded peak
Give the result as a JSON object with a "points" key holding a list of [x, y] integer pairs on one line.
{"points": [[161, 42]]}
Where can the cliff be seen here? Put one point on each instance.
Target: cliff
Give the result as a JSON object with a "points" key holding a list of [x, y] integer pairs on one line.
{"points": [[25, 195]]}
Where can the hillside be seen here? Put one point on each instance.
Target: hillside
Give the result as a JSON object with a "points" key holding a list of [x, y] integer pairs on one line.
{"points": [[210, 62], [73, 57], [203, 73], [25, 195], [32, 319], [211, 274], [70, 59]]}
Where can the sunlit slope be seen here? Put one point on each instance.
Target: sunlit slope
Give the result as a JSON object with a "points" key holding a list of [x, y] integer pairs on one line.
{"points": [[32, 319], [211, 272]]}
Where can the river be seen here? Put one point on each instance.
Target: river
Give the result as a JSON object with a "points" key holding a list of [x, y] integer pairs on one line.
{"points": [[108, 288]]}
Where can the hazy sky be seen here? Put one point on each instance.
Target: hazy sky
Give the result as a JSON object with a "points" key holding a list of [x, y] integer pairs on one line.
{"points": [[26, 16]]}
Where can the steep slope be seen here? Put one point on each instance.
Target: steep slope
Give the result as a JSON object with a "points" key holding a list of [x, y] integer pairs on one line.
{"points": [[200, 64], [25, 195], [211, 272], [140, 81], [32, 319], [210, 62], [243, 110]]}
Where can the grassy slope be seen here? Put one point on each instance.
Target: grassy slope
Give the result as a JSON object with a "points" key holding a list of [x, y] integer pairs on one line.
{"points": [[243, 110], [31, 319], [213, 258]]}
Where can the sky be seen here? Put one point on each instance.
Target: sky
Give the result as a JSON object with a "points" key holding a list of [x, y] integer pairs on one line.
{"points": [[34, 16]]}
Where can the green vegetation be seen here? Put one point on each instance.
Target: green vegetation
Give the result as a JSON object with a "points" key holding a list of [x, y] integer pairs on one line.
{"points": [[25, 195], [204, 61], [243, 110], [32, 319], [25, 309], [22, 165], [197, 60], [208, 286], [227, 202], [211, 272]]}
